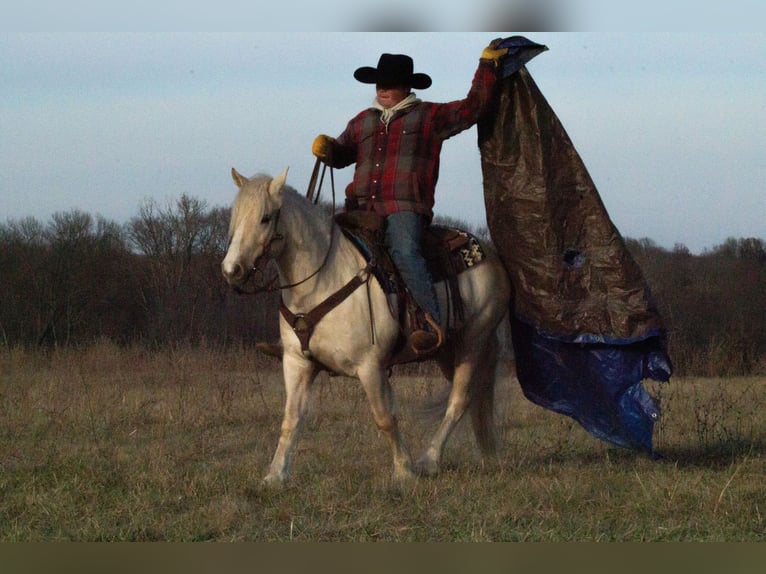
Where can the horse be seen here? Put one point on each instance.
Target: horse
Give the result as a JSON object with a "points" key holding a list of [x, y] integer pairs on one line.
{"points": [[357, 337]]}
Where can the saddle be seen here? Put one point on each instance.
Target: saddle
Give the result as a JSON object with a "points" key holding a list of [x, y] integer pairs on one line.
{"points": [[448, 252]]}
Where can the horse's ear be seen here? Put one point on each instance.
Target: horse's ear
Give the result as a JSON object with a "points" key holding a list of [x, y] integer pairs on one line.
{"points": [[238, 178], [278, 182]]}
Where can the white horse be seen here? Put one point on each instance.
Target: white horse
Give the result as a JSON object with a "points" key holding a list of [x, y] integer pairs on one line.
{"points": [[315, 260]]}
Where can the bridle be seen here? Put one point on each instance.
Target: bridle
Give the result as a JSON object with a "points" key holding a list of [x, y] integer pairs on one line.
{"points": [[263, 286]]}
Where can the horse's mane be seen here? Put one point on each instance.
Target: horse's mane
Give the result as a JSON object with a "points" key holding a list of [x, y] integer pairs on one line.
{"points": [[313, 214]]}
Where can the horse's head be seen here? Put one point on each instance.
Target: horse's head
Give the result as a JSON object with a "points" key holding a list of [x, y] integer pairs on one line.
{"points": [[253, 227]]}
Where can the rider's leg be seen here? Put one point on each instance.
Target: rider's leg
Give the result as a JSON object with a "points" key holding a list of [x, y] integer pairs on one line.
{"points": [[404, 233]]}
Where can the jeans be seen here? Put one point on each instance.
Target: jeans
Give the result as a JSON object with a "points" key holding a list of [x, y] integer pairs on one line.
{"points": [[404, 234]]}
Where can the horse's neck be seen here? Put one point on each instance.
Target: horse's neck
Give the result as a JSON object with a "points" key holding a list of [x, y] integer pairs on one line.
{"points": [[309, 254]]}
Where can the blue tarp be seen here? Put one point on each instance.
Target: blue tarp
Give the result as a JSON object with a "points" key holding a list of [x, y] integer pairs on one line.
{"points": [[586, 331], [598, 385]]}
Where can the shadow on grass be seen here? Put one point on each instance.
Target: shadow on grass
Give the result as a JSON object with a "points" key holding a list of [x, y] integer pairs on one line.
{"points": [[714, 455]]}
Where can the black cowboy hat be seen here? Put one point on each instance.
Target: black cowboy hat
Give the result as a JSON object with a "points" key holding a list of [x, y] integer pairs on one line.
{"points": [[393, 70]]}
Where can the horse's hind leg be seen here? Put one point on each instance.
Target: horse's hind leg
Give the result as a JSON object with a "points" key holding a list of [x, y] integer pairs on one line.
{"points": [[299, 375], [473, 389], [428, 463], [380, 395]]}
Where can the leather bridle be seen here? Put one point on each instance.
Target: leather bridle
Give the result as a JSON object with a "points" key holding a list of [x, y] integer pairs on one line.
{"points": [[273, 282]]}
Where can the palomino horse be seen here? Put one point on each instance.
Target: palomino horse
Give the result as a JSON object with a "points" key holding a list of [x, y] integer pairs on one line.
{"points": [[316, 261]]}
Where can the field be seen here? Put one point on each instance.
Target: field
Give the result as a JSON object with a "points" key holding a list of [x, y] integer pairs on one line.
{"points": [[111, 444]]}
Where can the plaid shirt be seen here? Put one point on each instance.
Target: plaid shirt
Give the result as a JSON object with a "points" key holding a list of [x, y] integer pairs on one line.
{"points": [[397, 166]]}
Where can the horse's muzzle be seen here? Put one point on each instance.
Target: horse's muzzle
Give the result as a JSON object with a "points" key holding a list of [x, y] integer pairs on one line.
{"points": [[234, 273]]}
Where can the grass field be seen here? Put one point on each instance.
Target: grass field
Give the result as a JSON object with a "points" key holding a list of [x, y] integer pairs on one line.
{"points": [[110, 444]]}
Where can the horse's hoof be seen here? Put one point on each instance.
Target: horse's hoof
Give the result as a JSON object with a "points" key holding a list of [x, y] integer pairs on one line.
{"points": [[404, 476], [273, 481], [426, 467]]}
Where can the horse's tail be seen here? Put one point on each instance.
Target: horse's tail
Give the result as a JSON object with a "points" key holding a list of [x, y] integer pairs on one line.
{"points": [[496, 364], [482, 403]]}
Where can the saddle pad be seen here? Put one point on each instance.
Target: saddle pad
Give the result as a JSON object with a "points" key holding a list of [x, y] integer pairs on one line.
{"points": [[463, 248]]}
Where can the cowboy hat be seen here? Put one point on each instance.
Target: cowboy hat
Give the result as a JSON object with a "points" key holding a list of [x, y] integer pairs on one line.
{"points": [[393, 70]]}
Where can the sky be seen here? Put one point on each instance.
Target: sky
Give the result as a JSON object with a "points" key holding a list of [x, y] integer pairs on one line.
{"points": [[671, 126]]}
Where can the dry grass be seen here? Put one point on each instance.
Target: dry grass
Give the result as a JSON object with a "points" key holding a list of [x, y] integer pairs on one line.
{"points": [[120, 444]]}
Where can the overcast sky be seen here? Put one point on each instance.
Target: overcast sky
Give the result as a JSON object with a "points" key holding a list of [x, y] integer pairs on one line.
{"points": [[672, 127]]}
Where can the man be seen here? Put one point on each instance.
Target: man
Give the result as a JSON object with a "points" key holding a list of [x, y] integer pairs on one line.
{"points": [[396, 145]]}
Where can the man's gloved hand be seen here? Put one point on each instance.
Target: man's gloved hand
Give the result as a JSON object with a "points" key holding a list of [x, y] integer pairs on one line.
{"points": [[493, 54], [322, 148]]}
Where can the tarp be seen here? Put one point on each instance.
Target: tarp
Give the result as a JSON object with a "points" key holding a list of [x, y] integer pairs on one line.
{"points": [[586, 331]]}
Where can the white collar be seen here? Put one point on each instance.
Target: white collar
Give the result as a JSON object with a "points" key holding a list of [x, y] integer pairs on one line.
{"points": [[388, 113]]}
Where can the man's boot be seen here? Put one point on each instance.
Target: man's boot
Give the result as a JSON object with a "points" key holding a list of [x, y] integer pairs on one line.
{"points": [[271, 349]]}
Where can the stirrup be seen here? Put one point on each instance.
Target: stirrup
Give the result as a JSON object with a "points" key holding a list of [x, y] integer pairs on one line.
{"points": [[426, 341]]}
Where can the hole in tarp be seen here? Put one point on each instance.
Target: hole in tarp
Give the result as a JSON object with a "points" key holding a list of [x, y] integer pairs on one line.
{"points": [[574, 258]]}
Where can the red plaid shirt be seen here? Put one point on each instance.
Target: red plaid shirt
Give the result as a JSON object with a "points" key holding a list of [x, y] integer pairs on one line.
{"points": [[397, 166]]}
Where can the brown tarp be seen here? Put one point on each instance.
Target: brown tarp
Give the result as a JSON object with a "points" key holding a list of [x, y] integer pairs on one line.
{"points": [[572, 275], [585, 329]]}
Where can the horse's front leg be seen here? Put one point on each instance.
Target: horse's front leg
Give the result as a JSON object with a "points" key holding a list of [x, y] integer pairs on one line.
{"points": [[381, 398], [299, 374]]}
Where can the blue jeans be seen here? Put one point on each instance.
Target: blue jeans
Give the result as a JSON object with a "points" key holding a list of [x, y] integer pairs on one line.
{"points": [[404, 234]]}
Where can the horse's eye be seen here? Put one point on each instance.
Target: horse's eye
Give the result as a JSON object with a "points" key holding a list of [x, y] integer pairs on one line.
{"points": [[266, 218]]}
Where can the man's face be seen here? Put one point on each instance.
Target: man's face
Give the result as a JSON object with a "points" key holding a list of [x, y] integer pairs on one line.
{"points": [[389, 96]]}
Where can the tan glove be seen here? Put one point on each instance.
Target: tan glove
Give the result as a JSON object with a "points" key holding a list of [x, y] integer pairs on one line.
{"points": [[492, 54], [322, 148]]}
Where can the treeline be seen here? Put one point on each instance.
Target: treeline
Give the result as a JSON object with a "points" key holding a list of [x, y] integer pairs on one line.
{"points": [[156, 280], [714, 304]]}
